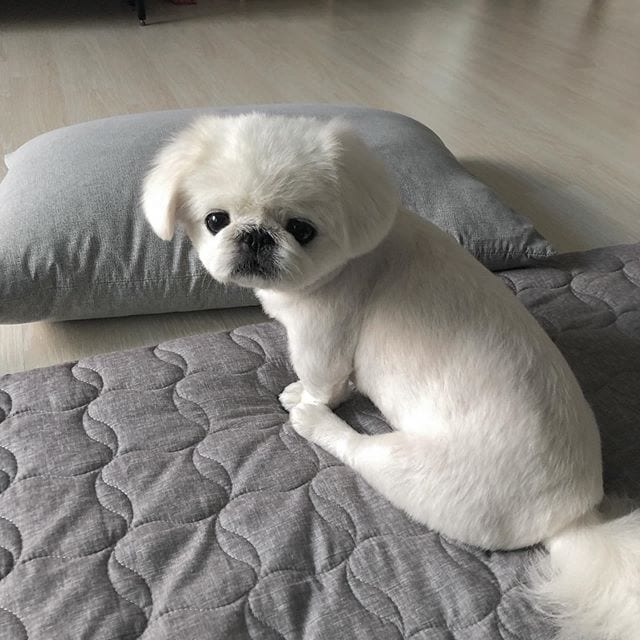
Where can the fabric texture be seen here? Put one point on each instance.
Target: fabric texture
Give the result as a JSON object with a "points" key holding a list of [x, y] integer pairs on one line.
{"points": [[160, 493], [74, 243]]}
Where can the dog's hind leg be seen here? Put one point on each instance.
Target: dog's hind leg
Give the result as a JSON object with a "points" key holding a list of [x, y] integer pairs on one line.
{"points": [[401, 466]]}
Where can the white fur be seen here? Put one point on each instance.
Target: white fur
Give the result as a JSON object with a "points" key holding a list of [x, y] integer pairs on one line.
{"points": [[590, 580], [493, 441]]}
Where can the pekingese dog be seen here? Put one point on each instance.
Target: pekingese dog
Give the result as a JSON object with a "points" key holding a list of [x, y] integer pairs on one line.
{"points": [[493, 443]]}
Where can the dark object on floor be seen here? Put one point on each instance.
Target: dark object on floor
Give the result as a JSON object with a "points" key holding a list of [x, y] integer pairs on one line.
{"points": [[141, 10]]}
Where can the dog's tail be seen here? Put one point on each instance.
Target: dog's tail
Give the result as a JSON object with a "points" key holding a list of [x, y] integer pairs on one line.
{"points": [[590, 580]]}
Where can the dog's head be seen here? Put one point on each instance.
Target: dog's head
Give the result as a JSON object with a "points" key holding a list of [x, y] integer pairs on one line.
{"points": [[270, 202]]}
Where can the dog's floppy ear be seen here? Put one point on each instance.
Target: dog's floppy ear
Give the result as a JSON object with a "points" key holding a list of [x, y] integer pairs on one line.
{"points": [[161, 197], [369, 198]]}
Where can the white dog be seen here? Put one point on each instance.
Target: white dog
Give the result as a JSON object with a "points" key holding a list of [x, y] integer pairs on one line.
{"points": [[493, 441]]}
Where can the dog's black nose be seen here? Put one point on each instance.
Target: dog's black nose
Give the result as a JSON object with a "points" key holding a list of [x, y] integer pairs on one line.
{"points": [[256, 239]]}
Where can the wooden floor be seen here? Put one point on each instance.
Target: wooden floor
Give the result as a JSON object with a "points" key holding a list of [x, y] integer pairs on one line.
{"points": [[539, 98]]}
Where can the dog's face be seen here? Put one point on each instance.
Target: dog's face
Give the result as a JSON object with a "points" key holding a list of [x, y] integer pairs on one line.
{"points": [[270, 202]]}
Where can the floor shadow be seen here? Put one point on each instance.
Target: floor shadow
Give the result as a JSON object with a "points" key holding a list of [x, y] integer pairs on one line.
{"points": [[34, 12], [37, 12]]}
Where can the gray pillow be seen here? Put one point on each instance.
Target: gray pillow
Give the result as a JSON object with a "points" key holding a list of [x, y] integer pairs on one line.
{"points": [[73, 242]]}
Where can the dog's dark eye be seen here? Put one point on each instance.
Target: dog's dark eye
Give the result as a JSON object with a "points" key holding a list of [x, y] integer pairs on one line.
{"points": [[301, 230], [216, 220]]}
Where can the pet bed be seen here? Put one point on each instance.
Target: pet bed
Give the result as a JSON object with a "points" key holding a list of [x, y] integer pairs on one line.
{"points": [[159, 493]]}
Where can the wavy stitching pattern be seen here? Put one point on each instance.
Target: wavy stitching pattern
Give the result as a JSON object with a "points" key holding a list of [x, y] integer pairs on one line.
{"points": [[19, 619], [399, 626], [17, 557], [114, 555]]}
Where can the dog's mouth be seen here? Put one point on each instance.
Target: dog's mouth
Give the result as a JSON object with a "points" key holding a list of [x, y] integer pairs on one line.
{"points": [[253, 267], [255, 255], [260, 265]]}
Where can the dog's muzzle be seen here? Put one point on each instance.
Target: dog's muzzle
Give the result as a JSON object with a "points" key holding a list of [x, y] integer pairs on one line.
{"points": [[256, 240], [256, 253]]}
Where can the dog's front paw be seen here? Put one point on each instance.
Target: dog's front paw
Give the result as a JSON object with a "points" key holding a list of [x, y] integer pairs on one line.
{"points": [[291, 395], [308, 419]]}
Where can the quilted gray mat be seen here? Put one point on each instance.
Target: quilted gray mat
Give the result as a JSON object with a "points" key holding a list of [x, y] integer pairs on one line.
{"points": [[159, 493]]}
